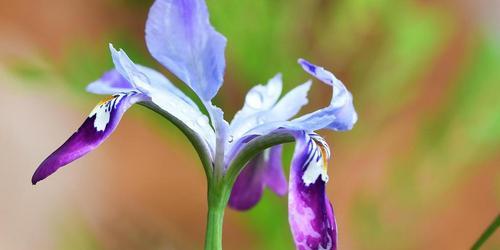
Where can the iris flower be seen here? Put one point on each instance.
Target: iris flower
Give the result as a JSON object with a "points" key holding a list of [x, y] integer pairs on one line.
{"points": [[240, 158]]}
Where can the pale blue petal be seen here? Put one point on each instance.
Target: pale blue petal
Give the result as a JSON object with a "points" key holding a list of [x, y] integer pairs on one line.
{"points": [[110, 83], [160, 83], [179, 35], [166, 96], [258, 101], [221, 128], [290, 104], [263, 112], [129, 70], [340, 115]]}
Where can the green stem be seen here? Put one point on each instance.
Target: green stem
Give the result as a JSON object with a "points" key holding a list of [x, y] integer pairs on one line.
{"points": [[487, 233], [218, 196]]}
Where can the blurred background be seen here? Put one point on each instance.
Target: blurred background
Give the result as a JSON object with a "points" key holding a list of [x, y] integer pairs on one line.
{"points": [[421, 170]]}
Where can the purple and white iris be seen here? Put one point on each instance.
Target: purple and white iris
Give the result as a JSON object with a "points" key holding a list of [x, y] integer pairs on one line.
{"points": [[179, 35]]}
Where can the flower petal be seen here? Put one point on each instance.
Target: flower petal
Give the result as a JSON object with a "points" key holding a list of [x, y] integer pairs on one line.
{"points": [[99, 125], [291, 103], [221, 127], [263, 107], [179, 35], [340, 115], [110, 83], [264, 170], [311, 215], [166, 96], [258, 101]]}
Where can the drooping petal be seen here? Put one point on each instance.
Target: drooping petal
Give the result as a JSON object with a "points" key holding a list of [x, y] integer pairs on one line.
{"points": [[274, 176], [179, 35], [98, 126], [311, 215], [340, 115], [264, 170]]}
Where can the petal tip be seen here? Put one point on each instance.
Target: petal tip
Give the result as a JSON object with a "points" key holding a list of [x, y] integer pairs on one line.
{"points": [[37, 177]]}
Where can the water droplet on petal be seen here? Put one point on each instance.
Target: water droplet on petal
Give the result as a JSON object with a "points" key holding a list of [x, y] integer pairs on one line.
{"points": [[254, 100], [231, 139]]}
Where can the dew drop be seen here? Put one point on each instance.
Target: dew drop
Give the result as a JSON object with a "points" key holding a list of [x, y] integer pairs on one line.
{"points": [[254, 100], [231, 139]]}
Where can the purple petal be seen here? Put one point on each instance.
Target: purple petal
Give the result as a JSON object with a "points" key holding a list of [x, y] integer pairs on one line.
{"points": [[179, 35], [264, 169], [340, 115], [101, 122], [311, 215], [274, 176]]}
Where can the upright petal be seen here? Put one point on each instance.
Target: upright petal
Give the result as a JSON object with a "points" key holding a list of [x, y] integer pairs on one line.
{"points": [[179, 35], [264, 170], [311, 215], [258, 101], [98, 126], [290, 104], [262, 108]]}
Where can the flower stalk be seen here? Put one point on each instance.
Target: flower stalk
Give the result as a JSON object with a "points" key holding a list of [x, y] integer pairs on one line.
{"points": [[218, 196]]}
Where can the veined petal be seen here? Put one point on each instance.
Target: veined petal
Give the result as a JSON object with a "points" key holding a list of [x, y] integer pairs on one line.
{"points": [[264, 170], [189, 115], [179, 35], [258, 101], [340, 115], [221, 128], [263, 108], [166, 96], [98, 126], [260, 98], [311, 215], [291, 103], [129, 70]]}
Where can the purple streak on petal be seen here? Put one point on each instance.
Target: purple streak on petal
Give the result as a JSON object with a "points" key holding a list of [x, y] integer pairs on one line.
{"points": [[90, 134], [311, 215], [179, 35], [110, 83], [340, 115], [264, 169]]}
